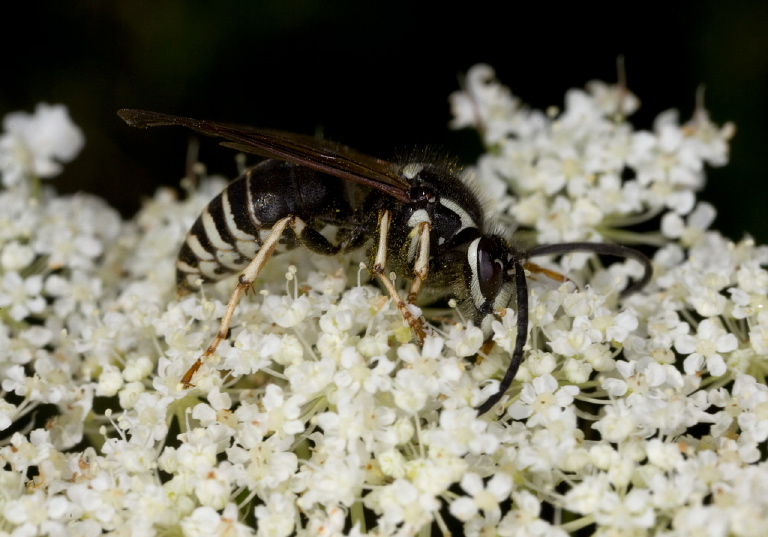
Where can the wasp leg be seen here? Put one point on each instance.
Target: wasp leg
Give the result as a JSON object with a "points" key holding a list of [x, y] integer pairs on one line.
{"points": [[380, 264], [307, 235], [244, 282], [421, 264]]}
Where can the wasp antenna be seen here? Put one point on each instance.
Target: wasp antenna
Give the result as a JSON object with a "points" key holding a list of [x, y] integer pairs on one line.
{"points": [[616, 250], [520, 339]]}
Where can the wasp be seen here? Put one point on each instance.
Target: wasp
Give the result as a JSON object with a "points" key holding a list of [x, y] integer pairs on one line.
{"points": [[420, 219]]}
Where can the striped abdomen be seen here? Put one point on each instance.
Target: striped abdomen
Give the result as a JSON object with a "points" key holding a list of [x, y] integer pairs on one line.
{"points": [[231, 229]]}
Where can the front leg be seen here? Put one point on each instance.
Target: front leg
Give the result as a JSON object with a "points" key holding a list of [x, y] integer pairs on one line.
{"points": [[379, 267], [421, 261]]}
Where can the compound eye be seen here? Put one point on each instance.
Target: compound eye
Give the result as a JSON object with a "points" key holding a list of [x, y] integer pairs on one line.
{"points": [[490, 269]]}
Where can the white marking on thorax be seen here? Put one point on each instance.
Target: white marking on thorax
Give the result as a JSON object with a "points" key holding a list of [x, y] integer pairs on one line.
{"points": [[412, 169], [466, 220]]}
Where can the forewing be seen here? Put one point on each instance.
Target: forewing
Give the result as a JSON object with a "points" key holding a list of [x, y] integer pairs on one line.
{"points": [[321, 155]]}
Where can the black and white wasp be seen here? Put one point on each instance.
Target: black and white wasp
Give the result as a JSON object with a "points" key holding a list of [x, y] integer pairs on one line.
{"points": [[421, 219]]}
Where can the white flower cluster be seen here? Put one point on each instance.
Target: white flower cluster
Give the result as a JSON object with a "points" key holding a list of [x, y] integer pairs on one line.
{"points": [[319, 416], [34, 146]]}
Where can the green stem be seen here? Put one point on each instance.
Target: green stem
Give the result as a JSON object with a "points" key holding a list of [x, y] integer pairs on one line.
{"points": [[358, 516], [577, 524]]}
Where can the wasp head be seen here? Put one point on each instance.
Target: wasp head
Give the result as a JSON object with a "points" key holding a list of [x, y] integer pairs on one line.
{"points": [[491, 276]]}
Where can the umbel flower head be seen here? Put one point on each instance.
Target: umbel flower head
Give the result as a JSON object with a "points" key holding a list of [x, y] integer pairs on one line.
{"points": [[319, 415], [36, 145]]}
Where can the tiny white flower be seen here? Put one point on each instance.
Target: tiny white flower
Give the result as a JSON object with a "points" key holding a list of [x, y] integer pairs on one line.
{"points": [[110, 381], [632, 511], [663, 454], [309, 378], [617, 424], [542, 400], [691, 232], [16, 256], [286, 311], [283, 412], [148, 416], [710, 341], [524, 518], [392, 463], [23, 296], [465, 341], [129, 394], [205, 521], [214, 489], [137, 368], [481, 497], [485, 104], [7, 414]]}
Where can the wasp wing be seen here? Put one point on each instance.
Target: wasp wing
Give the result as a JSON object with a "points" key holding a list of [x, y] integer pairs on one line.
{"points": [[321, 155]]}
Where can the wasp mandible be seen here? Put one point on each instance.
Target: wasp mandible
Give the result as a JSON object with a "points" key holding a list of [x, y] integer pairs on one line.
{"points": [[422, 220]]}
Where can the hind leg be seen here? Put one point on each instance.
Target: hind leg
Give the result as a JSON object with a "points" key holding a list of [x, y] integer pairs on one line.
{"points": [[308, 236]]}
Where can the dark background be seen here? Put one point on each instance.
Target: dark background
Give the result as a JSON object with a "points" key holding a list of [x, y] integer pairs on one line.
{"points": [[374, 75]]}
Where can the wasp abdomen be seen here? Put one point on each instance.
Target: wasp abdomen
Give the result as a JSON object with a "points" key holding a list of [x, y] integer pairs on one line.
{"points": [[231, 229]]}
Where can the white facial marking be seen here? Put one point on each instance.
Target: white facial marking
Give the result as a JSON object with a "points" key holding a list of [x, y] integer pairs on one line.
{"points": [[474, 286]]}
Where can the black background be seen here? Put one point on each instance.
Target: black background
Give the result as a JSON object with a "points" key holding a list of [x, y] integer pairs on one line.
{"points": [[374, 75]]}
